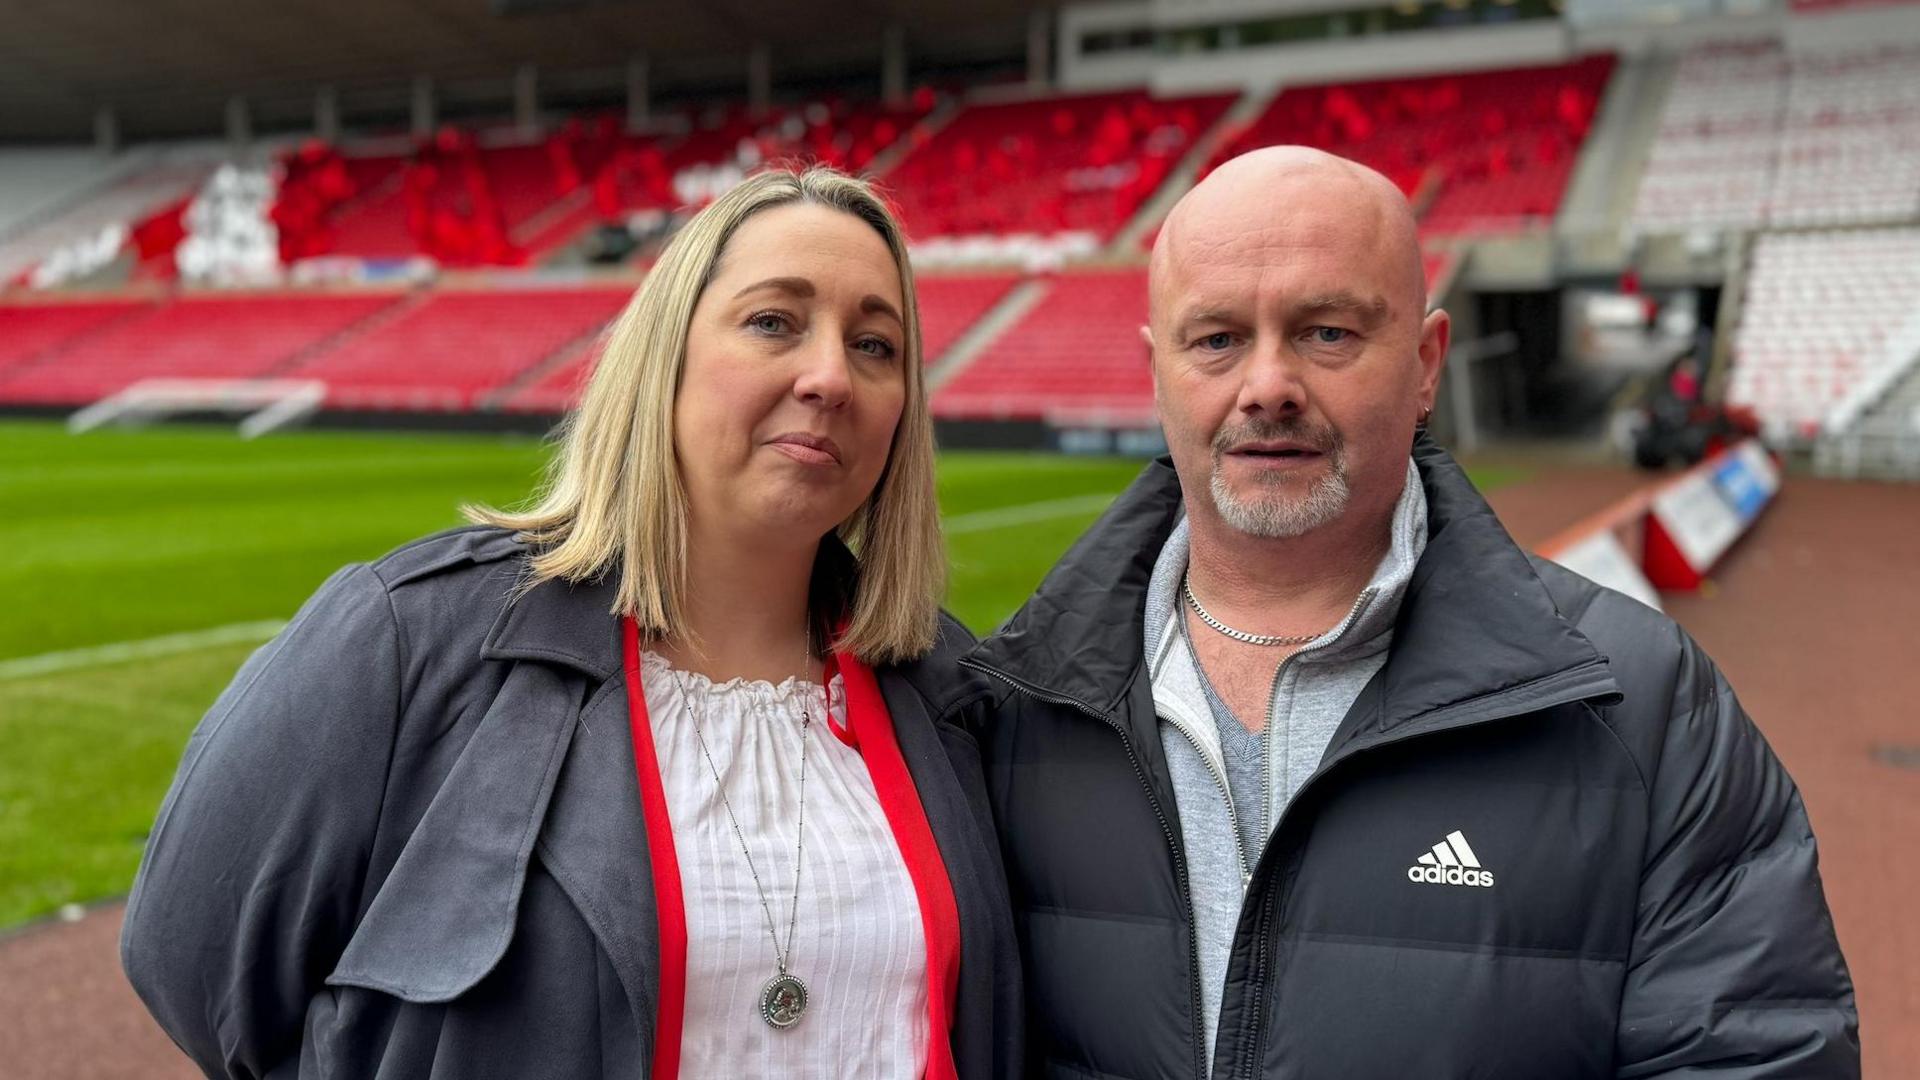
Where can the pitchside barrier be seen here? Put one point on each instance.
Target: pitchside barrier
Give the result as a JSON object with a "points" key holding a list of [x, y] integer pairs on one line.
{"points": [[1671, 535]]}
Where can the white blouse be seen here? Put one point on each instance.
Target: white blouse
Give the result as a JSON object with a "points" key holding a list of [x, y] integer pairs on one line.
{"points": [[859, 945]]}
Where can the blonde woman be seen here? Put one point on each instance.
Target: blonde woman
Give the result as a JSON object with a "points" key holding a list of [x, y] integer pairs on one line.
{"points": [[657, 778]]}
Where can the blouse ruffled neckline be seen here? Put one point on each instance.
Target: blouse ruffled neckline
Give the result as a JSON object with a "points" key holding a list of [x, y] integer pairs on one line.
{"points": [[791, 689]]}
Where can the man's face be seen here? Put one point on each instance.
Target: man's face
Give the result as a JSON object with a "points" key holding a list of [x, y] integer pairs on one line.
{"points": [[1291, 359]]}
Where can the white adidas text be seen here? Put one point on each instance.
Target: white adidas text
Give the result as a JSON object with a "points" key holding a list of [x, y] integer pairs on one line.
{"points": [[1450, 862]]}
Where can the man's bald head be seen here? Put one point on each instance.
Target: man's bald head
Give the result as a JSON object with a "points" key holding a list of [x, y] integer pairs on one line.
{"points": [[1295, 194]]}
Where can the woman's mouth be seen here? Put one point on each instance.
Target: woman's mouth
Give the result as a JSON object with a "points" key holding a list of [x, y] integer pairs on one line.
{"points": [[807, 449]]}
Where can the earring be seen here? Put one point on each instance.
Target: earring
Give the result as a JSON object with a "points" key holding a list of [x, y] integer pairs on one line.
{"points": [[1425, 415]]}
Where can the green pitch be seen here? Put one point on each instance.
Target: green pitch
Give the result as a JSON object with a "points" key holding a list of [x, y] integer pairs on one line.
{"points": [[150, 539]]}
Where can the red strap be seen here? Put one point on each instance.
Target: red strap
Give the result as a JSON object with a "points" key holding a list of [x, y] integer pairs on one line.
{"points": [[900, 801], [669, 906]]}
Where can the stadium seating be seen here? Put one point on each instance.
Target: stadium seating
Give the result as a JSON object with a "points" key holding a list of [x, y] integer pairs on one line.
{"points": [[1754, 136], [1485, 152], [35, 180], [1712, 160], [226, 337], [1079, 164], [448, 349], [1850, 139], [30, 331], [1818, 311], [949, 305], [120, 203], [1076, 356]]}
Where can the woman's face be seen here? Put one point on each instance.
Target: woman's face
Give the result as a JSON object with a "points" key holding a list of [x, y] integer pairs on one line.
{"points": [[794, 378]]}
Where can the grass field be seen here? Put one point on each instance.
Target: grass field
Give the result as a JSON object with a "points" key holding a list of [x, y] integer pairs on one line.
{"points": [[155, 537]]}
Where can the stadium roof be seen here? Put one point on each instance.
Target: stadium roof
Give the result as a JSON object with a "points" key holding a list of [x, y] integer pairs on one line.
{"points": [[168, 67]]}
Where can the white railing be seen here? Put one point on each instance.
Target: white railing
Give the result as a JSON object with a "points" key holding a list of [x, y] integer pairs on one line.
{"points": [[1897, 357]]}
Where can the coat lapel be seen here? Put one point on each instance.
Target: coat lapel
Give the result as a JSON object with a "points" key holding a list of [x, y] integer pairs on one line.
{"points": [[593, 840]]}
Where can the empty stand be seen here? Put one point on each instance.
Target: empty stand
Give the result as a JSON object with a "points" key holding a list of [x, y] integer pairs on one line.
{"points": [[1819, 311], [226, 337], [1754, 136], [559, 388], [1070, 164], [1486, 151], [447, 351], [1076, 356], [1713, 157], [949, 305], [31, 331], [1850, 139]]}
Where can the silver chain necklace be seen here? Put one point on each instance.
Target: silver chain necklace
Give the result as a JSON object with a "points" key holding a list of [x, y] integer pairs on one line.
{"points": [[1186, 586], [783, 1000]]}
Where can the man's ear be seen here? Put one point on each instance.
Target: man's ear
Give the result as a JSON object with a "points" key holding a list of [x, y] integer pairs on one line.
{"points": [[1436, 333], [1146, 336]]}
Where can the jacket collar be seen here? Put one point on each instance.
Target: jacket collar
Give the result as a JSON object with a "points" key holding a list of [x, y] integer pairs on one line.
{"points": [[559, 622], [1476, 620]]}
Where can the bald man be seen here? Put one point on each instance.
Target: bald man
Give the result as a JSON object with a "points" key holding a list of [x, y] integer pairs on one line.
{"points": [[1303, 769]]}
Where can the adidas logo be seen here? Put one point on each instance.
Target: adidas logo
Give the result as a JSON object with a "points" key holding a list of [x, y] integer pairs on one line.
{"points": [[1451, 862]]}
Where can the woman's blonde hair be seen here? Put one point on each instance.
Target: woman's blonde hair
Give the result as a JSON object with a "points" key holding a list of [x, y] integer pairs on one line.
{"points": [[613, 502]]}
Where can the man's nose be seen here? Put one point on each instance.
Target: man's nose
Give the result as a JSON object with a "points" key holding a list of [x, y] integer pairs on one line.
{"points": [[1272, 381]]}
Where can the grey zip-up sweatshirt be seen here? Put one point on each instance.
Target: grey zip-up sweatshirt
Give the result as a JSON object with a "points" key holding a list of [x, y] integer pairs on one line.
{"points": [[1312, 691]]}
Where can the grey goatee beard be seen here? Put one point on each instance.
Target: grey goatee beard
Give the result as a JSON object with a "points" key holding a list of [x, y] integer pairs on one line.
{"points": [[1274, 513]]}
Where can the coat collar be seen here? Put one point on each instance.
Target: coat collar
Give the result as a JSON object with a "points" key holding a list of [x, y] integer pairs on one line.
{"points": [[559, 622], [1476, 619]]}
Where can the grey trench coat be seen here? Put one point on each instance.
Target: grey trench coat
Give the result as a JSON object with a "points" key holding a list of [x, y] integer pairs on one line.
{"points": [[407, 840]]}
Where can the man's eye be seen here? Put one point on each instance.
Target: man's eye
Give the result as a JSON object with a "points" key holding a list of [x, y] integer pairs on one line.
{"points": [[1216, 342], [1329, 335]]}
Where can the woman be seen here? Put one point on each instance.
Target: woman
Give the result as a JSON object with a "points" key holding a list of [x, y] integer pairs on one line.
{"points": [[652, 779]]}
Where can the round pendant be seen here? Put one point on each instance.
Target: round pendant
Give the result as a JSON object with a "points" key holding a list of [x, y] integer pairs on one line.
{"points": [[782, 1001]]}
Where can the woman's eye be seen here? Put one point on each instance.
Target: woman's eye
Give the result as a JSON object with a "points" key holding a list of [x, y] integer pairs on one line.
{"points": [[876, 347], [768, 322]]}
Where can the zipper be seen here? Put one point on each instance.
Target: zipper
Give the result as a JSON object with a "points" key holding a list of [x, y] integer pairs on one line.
{"points": [[1273, 694], [1226, 796], [1250, 1063], [1201, 1065]]}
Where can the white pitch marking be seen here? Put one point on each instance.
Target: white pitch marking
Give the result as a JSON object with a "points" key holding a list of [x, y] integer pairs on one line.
{"points": [[23, 667], [1025, 513]]}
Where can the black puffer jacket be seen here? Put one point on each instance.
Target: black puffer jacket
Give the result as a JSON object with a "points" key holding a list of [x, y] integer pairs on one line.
{"points": [[1654, 906]]}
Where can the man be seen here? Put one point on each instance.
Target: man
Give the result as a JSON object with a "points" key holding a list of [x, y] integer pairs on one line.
{"points": [[1303, 769]]}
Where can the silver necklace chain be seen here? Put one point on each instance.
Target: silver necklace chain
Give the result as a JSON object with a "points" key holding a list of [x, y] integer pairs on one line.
{"points": [[780, 956], [1186, 586]]}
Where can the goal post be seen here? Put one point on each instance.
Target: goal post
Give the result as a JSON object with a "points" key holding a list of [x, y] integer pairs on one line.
{"points": [[264, 404]]}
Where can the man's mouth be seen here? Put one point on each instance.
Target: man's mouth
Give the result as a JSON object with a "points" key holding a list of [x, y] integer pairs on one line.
{"points": [[1280, 451]]}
